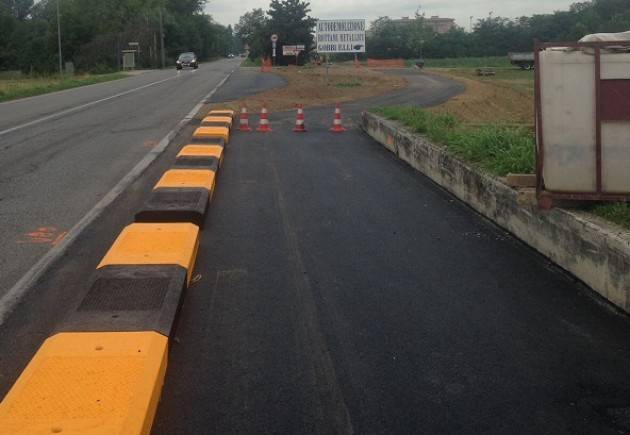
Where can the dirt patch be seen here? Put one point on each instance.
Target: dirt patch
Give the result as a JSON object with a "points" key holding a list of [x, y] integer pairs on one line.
{"points": [[495, 100], [310, 87]]}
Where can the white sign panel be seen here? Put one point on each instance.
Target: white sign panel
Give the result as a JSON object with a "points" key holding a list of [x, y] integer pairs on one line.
{"points": [[341, 36], [292, 50]]}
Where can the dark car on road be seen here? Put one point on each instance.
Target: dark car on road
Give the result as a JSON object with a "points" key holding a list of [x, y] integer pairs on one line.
{"points": [[187, 59]]}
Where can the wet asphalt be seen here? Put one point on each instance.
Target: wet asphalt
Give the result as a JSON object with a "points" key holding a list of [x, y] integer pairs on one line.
{"points": [[54, 171], [341, 292]]}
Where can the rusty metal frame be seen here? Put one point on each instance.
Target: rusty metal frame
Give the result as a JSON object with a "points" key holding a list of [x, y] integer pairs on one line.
{"points": [[547, 197]]}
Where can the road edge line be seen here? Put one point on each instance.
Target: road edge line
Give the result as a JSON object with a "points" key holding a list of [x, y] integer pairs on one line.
{"points": [[10, 300]]}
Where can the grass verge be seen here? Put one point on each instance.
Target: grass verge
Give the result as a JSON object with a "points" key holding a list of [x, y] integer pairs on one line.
{"points": [[511, 78], [497, 149], [468, 62], [16, 86], [504, 99], [249, 62], [350, 84], [312, 86], [618, 212]]}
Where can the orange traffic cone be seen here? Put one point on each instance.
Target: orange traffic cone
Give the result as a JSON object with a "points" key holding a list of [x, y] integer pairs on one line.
{"points": [[244, 120], [267, 65], [337, 123], [299, 120], [263, 127]]}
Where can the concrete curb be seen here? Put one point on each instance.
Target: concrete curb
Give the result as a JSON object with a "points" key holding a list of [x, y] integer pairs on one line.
{"points": [[595, 251]]}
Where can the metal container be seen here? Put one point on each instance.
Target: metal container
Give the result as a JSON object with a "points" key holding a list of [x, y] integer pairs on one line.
{"points": [[583, 121]]}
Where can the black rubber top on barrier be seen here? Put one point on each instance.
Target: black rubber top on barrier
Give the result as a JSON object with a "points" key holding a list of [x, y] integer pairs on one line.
{"points": [[216, 124], [197, 162], [208, 141], [176, 205], [130, 298]]}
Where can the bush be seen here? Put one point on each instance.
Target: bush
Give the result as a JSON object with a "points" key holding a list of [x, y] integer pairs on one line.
{"points": [[103, 68]]}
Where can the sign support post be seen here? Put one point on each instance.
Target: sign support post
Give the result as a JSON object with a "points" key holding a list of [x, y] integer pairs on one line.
{"points": [[293, 50], [274, 41]]}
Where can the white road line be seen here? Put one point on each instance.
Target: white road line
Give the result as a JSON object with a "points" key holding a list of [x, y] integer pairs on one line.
{"points": [[82, 106], [12, 298], [69, 90]]}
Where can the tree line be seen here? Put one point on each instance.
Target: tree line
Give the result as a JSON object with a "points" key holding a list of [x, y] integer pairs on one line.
{"points": [[94, 33], [496, 36], [288, 19], [388, 38]]}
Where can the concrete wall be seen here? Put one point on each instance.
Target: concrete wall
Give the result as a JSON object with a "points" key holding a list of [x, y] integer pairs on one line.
{"points": [[593, 250]]}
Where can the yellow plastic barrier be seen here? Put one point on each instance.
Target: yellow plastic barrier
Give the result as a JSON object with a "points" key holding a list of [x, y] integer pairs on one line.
{"points": [[202, 151], [222, 112], [218, 119], [148, 243], [187, 178], [88, 383], [212, 132]]}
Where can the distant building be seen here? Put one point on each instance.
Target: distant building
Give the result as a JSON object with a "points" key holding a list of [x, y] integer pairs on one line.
{"points": [[439, 25]]}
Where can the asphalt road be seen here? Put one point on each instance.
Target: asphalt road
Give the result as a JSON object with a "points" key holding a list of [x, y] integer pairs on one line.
{"points": [[78, 145], [341, 292]]}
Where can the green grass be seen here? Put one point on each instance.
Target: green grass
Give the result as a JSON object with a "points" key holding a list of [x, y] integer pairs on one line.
{"points": [[352, 84], [517, 79], [498, 149], [618, 213], [10, 75], [14, 85], [249, 62], [468, 62]]}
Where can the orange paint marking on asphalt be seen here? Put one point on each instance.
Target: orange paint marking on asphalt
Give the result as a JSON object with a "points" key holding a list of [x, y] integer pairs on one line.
{"points": [[44, 235]]}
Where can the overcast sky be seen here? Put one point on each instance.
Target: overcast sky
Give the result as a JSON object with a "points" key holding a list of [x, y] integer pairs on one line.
{"points": [[228, 11]]}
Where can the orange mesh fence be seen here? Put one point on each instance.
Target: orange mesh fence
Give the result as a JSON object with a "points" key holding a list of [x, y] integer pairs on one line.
{"points": [[386, 63]]}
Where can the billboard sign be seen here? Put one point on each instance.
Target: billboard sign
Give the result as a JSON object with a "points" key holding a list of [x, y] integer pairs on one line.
{"points": [[292, 50], [341, 36]]}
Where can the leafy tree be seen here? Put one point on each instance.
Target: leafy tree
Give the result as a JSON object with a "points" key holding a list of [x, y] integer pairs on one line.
{"points": [[95, 32], [290, 20], [252, 30], [388, 39], [419, 33], [497, 36], [19, 9]]}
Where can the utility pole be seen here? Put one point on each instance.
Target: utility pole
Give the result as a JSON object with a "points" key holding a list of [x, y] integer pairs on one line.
{"points": [[59, 40], [471, 18], [118, 52], [162, 39], [154, 56]]}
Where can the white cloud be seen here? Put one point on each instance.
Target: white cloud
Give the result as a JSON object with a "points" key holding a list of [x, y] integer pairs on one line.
{"points": [[227, 12]]}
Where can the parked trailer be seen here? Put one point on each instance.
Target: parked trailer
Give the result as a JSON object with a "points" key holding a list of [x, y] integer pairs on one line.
{"points": [[524, 61]]}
